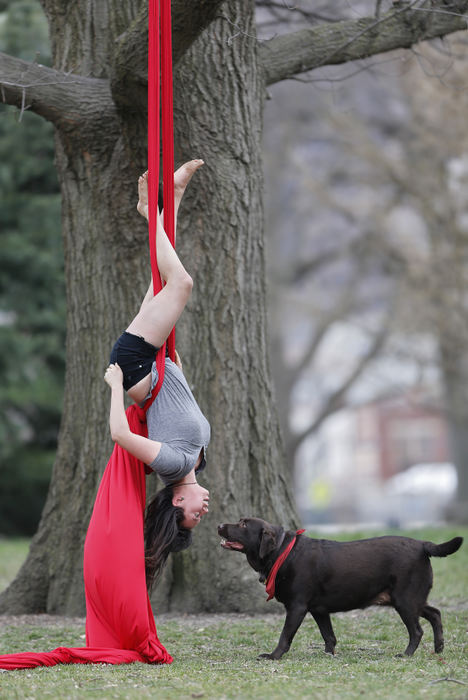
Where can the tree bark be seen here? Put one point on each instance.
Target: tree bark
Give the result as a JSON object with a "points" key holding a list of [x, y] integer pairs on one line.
{"points": [[98, 203], [223, 338], [61, 98], [455, 373], [130, 62]]}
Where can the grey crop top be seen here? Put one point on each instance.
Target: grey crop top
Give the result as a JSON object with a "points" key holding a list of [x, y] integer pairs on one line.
{"points": [[175, 419]]}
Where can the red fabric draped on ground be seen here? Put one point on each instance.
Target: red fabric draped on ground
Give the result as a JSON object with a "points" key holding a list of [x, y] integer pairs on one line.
{"points": [[64, 655], [120, 625]]}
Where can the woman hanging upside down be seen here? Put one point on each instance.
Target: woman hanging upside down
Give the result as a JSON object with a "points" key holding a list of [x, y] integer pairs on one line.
{"points": [[117, 569], [120, 626], [178, 432]]}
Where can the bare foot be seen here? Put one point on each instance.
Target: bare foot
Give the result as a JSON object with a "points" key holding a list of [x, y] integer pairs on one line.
{"points": [[182, 177], [142, 206]]}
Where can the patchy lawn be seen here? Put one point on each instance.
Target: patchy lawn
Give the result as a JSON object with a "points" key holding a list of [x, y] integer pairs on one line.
{"points": [[215, 655]]}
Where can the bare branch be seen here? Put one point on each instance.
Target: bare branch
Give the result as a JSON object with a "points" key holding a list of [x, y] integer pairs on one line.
{"points": [[343, 308], [285, 56], [279, 11], [337, 398], [58, 97], [306, 267]]}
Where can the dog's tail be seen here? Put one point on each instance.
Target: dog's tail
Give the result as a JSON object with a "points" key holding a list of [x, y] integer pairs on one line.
{"points": [[444, 549]]}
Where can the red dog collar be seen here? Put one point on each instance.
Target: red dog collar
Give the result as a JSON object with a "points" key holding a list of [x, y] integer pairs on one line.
{"points": [[270, 582]]}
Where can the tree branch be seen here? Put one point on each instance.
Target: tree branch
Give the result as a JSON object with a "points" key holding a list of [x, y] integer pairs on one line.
{"points": [[336, 399], [58, 97], [285, 56], [130, 79]]}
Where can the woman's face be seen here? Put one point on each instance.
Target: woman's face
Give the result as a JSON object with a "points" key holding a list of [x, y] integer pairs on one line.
{"points": [[194, 501]]}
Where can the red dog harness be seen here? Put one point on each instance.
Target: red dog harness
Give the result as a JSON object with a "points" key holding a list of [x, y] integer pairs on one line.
{"points": [[270, 582]]}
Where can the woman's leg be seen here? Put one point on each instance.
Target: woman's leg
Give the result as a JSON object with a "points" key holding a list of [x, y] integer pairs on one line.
{"points": [[158, 314], [182, 177]]}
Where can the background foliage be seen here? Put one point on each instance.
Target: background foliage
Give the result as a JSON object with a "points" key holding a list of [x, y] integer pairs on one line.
{"points": [[32, 289]]}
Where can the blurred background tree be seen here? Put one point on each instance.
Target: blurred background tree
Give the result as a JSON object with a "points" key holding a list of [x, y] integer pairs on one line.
{"points": [[32, 293], [367, 210]]}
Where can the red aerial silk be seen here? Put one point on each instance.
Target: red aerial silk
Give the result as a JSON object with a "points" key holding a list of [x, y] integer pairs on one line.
{"points": [[167, 146], [120, 626]]}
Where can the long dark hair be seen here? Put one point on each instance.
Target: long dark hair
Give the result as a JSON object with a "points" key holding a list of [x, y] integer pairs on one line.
{"points": [[163, 533]]}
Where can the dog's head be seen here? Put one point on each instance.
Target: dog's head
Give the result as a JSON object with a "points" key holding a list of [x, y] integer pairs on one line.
{"points": [[256, 538]]}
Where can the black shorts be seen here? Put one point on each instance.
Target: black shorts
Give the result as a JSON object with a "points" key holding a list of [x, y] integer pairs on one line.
{"points": [[134, 356]]}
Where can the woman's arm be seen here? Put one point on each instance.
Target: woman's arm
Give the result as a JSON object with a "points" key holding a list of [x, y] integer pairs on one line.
{"points": [[140, 447]]}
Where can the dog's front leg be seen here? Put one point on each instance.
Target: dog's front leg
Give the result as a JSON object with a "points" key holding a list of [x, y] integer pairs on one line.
{"points": [[294, 618]]}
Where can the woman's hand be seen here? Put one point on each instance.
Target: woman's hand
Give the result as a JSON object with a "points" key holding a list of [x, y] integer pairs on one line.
{"points": [[113, 376], [140, 447]]}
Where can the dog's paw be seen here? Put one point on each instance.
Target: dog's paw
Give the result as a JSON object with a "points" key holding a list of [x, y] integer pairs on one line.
{"points": [[266, 656]]}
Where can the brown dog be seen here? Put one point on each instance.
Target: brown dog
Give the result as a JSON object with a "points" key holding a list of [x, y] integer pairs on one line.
{"points": [[324, 576]]}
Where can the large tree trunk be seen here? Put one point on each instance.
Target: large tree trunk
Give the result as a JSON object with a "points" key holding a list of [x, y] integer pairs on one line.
{"points": [[455, 376], [223, 339], [103, 250], [222, 336]]}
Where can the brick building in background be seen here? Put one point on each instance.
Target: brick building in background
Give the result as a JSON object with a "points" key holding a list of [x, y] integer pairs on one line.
{"points": [[351, 471]]}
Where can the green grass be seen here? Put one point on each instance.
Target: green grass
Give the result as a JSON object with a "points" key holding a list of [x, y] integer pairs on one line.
{"points": [[13, 552], [215, 656]]}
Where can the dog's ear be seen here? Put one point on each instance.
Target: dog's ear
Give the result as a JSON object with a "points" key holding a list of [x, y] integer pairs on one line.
{"points": [[268, 542]]}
